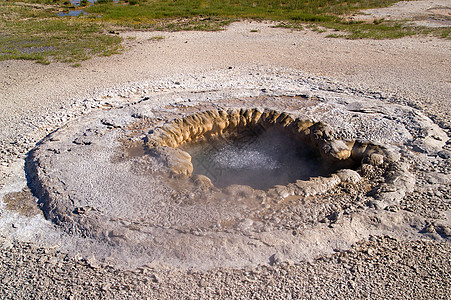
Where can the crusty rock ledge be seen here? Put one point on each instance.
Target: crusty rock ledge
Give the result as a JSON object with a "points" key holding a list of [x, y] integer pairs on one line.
{"points": [[164, 142]]}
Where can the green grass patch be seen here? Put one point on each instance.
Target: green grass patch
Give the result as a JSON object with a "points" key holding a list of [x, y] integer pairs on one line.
{"points": [[157, 38], [30, 29], [382, 29], [36, 33], [377, 30], [175, 15], [297, 10]]}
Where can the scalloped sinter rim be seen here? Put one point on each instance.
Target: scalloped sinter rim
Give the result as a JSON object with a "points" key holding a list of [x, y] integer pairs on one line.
{"points": [[164, 140], [208, 124]]}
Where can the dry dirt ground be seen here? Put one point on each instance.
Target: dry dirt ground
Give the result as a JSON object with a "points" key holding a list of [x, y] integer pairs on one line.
{"points": [[37, 99]]}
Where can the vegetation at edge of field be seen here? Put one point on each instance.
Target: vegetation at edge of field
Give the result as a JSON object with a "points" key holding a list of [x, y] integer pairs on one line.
{"points": [[35, 33], [30, 29]]}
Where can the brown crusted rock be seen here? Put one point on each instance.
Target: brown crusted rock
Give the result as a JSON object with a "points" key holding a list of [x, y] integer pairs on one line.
{"points": [[335, 150], [375, 159], [221, 123], [322, 132], [317, 185], [214, 122], [256, 115], [301, 129], [239, 191], [358, 150], [271, 117], [249, 116], [171, 134], [202, 181], [300, 125], [207, 120], [349, 176], [284, 120], [178, 161], [243, 118], [234, 118]]}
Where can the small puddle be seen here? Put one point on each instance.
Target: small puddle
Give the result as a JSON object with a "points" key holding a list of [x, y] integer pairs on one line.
{"points": [[72, 13], [78, 12], [77, 2]]}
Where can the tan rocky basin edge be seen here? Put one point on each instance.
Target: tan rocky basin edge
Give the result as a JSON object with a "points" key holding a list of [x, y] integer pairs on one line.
{"points": [[165, 140], [121, 181]]}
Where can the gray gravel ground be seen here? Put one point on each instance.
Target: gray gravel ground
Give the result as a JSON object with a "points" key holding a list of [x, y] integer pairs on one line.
{"points": [[381, 268]]}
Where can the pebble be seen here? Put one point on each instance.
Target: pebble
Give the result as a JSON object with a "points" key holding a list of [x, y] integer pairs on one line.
{"points": [[445, 154], [7, 244], [349, 176]]}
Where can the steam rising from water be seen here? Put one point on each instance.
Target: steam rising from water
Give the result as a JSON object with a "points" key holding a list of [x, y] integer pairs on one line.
{"points": [[229, 157], [259, 160]]}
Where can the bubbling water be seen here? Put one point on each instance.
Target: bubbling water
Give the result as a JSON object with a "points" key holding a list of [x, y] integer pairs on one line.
{"points": [[260, 160], [232, 158]]}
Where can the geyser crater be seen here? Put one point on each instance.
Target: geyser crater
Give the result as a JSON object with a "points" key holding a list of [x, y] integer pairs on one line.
{"points": [[135, 184], [259, 149], [260, 160]]}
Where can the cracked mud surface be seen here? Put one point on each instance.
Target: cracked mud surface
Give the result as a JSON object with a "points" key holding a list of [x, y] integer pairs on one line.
{"points": [[399, 91]]}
